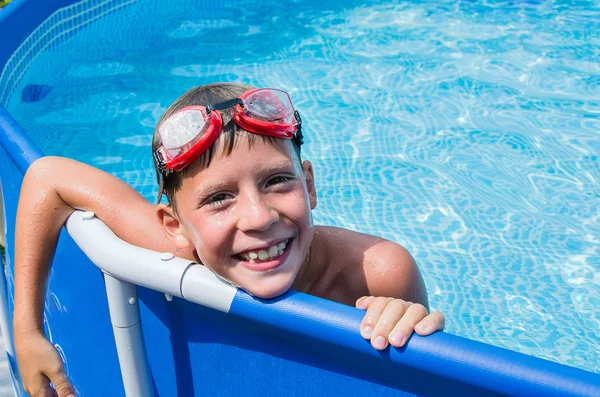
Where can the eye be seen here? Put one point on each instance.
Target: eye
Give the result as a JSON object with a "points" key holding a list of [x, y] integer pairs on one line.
{"points": [[278, 179], [216, 199]]}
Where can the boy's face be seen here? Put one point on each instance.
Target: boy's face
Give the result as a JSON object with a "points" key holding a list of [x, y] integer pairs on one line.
{"points": [[248, 214]]}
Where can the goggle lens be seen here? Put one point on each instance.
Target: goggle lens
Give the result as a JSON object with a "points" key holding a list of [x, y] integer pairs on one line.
{"points": [[182, 130], [270, 105]]}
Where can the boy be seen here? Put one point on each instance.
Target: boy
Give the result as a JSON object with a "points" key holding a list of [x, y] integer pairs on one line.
{"points": [[240, 198]]}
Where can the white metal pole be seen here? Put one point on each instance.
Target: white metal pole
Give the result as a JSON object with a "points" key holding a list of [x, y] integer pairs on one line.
{"points": [[125, 319]]}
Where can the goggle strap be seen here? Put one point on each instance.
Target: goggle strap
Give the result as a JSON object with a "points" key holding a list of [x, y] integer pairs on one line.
{"points": [[224, 105], [298, 133], [160, 164]]}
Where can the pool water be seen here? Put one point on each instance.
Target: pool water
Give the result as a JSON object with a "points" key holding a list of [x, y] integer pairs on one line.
{"points": [[467, 132]]}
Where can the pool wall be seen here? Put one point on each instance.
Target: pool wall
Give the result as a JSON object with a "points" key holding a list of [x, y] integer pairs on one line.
{"points": [[20, 18], [294, 345]]}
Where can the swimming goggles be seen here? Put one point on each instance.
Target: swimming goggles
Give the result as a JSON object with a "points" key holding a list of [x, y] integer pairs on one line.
{"points": [[191, 130]]}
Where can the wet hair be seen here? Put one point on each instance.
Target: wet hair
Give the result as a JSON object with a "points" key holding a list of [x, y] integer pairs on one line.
{"points": [[170, 182]]}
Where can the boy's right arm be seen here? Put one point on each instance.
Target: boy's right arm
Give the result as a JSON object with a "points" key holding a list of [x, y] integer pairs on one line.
{"points": [[52, 189]]}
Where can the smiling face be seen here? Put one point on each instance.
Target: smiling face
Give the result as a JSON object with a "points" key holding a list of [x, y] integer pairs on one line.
{"points": [[248, 214]]}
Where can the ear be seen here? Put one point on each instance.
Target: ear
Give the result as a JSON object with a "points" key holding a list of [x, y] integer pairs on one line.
{"points": [[172, 226], [309, 177]]}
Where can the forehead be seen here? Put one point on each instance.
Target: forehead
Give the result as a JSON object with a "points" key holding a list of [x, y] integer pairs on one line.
{"points": [[246, 149]]}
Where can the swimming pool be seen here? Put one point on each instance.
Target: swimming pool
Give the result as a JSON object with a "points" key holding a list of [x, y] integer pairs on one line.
{"points": [[466, 132]]}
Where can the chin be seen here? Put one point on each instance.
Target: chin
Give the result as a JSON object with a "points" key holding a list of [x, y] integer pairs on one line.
{"points": [[268, 289]]}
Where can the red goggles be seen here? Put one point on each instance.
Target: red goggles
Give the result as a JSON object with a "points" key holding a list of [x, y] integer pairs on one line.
{"points": [[187, 133]]}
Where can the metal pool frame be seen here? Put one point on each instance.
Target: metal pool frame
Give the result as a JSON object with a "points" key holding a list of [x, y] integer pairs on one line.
{"points": [[146, 323]]}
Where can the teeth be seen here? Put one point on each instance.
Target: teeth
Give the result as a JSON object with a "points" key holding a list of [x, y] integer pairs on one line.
{"points": [[261, 255], [273, 251]]}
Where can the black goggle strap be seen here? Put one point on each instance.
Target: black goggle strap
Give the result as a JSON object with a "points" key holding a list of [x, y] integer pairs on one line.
{"points": [[298, 135], [224, 105], [160, 164]]}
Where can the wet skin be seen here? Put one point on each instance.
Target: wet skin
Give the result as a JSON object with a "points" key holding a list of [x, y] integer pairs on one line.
{"points": [[254, 198]]}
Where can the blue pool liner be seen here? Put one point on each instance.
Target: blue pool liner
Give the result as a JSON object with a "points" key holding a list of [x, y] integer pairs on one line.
{"points": [[19, 18]]}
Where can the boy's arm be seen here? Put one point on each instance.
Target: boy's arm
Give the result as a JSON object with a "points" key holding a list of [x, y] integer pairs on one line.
{"points": [[52, 189], [397, 304]]}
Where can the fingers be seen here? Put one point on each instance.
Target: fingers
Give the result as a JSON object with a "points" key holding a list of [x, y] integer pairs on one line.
{"points": [[381, 317], [62, 385], [392, 321], [386, 329], [38, 387], [364, 302], [40, 364], [406, 325], [430, 324], [375, 308]]}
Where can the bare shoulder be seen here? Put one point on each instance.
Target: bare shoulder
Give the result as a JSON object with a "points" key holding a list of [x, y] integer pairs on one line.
{"points": [[391, 271], [378, 267]]}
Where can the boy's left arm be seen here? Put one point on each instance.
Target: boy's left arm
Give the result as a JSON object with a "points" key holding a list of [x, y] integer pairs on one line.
{"points": [[397, 304]]}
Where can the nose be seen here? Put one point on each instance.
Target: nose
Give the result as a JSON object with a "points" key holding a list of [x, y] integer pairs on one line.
{"points": [[256, 214]]}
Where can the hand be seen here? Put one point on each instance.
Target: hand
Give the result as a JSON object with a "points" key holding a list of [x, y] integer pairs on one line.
{"points": [[40, 364], [392, 321]]}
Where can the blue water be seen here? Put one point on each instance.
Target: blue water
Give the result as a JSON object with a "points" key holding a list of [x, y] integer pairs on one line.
{"points": [[467, 132]]}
